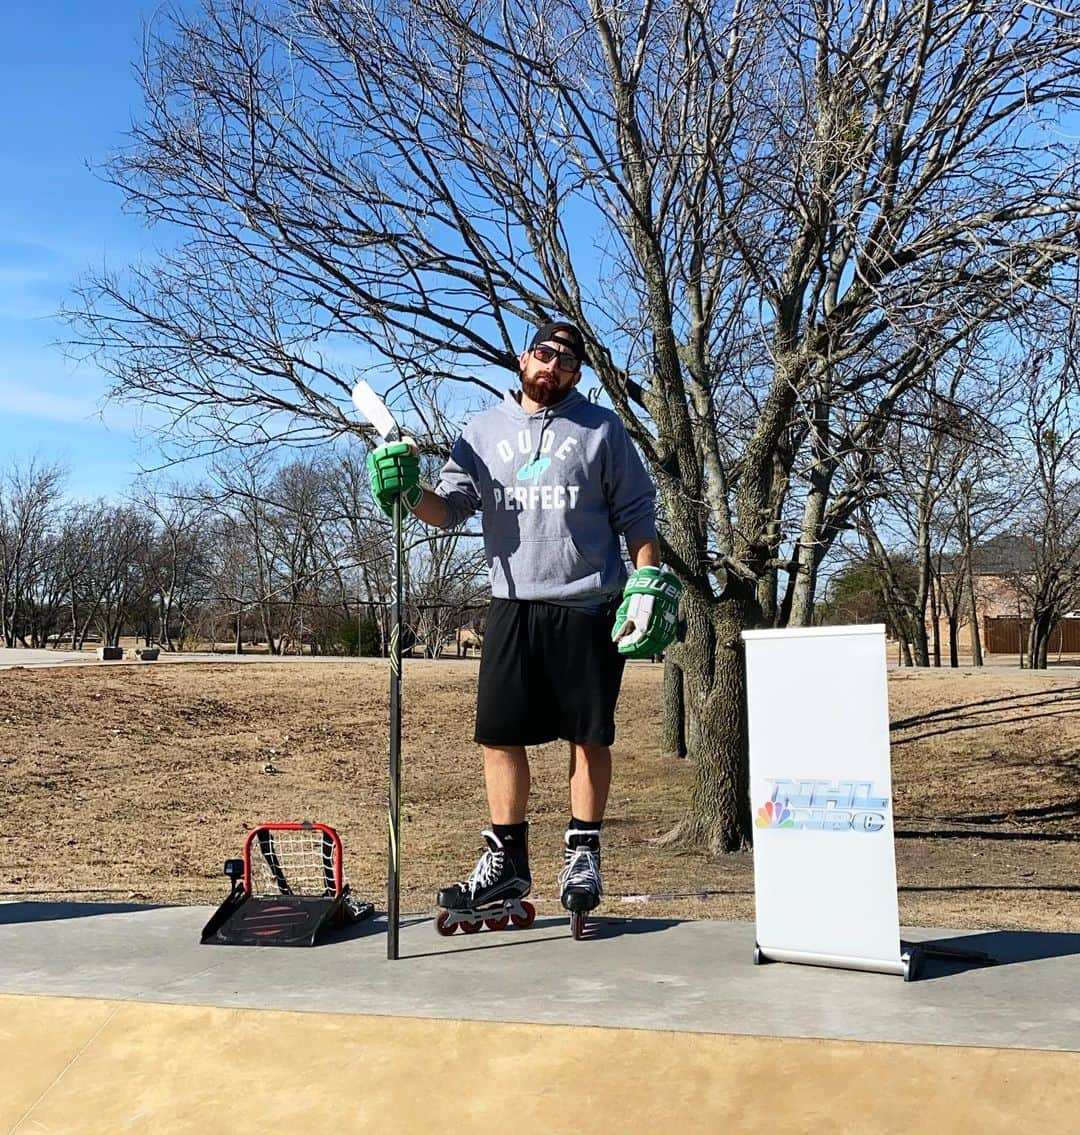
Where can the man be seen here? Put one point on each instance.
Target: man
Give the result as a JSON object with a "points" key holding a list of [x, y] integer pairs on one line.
{"points": [[558, 483]]}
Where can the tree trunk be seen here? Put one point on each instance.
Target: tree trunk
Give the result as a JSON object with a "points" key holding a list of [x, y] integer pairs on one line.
{"points": [[165, 636], [1042, 624], [804, 587], [712, 661], [973, 622], [673, 741], [969, 581], [265, 618]]}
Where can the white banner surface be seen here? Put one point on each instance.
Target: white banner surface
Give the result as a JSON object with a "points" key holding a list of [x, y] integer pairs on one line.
{"points": [[821, 797]]}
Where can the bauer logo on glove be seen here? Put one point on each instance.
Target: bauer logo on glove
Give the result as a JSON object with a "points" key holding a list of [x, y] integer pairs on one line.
{"points": [[394, 470], [647, 618]]}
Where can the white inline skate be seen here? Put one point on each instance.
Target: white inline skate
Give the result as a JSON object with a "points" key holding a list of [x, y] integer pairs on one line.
{"points": [[579, 881]]}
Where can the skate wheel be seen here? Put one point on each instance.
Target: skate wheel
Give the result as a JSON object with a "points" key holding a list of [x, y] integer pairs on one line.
{"points": [[500, 923], [471, 927], [577, 925], [524, 921], [441, 926]]}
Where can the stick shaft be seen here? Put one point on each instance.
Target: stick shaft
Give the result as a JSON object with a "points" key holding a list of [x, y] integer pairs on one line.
{"points": [[393, 876]]}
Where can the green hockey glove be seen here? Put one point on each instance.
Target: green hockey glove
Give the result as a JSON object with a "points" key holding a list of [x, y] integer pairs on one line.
{"points": [[394, 470], [647, 618]]}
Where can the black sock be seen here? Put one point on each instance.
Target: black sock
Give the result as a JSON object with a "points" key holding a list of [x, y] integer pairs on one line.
{"points": [[591, 841], [515, 840]]}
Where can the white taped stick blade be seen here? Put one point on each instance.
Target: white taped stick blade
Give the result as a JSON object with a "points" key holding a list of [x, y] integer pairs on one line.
{"points": [[373, 409]]}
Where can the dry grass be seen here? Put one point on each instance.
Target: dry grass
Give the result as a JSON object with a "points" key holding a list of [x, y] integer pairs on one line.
{"points": [[135, 783]]}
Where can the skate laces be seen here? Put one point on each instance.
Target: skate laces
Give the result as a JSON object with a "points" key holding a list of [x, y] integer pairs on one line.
{"points": [[582, 870], [490, 866]]}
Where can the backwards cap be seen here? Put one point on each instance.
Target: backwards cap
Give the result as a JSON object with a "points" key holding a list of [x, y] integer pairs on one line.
{"points": [[565, 334]]}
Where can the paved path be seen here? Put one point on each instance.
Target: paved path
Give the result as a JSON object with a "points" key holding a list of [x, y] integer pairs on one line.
{"points": [[35, 658], [52, 658]]}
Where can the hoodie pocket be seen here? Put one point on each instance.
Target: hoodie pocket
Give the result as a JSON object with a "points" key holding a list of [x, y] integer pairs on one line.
{"points": [[551, 568]]}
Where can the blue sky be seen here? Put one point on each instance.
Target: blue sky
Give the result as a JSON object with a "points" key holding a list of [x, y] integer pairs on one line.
{"points": [[67, 96]]}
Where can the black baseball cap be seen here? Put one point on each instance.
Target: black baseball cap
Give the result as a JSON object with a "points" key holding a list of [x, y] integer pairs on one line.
{"points": [[566, 334]]}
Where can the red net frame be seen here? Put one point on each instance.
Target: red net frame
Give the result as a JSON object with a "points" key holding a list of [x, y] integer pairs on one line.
{"points": [[299, 858]]}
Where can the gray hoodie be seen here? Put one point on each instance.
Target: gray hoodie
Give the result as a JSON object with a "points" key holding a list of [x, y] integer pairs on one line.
{"points": [[557, 490]]}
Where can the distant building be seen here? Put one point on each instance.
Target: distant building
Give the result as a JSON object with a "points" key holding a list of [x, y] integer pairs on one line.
{"points": [[1003, 570]]}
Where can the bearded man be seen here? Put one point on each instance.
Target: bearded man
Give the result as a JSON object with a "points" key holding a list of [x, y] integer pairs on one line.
{"points": [[561, 491]]}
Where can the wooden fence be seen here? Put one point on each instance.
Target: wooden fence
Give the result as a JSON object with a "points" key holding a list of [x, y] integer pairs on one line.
{"points": [[1009, 636]]}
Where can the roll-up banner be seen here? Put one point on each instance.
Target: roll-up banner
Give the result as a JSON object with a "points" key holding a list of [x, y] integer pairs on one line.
{"points": [[821, 798]]}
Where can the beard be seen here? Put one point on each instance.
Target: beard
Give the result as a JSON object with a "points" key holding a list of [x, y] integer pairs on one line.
{"points": [[543, 393]]}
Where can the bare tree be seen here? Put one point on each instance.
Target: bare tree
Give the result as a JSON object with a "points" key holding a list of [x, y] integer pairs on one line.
{"points": [[255, 575], [177, 570], [365, 563], [233, 576], [983, 502], [770, 219], [30, 500], [1052, 515], [902, 602], [75, 553], [122, 535], [297, 513], [449, 583], [949, 430], [45, 594]]}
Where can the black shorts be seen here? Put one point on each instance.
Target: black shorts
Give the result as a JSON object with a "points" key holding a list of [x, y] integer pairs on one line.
{"points": [[547, 672]]}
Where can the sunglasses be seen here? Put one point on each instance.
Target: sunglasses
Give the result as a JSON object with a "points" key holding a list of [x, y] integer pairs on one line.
{"points": [[567, 362]]}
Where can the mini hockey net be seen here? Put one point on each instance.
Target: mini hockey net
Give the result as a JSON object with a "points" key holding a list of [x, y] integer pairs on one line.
{"points": [[302, 859]]}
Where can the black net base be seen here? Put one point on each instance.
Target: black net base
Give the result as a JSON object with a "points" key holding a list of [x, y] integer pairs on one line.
{"points": [[280, 920]]}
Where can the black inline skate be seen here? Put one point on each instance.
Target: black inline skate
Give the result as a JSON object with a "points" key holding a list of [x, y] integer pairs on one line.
{"points": [[579, 880], [492, 896]]}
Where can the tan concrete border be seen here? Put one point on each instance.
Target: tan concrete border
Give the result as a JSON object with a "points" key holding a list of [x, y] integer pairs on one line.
{"points": [[84, 1066]]}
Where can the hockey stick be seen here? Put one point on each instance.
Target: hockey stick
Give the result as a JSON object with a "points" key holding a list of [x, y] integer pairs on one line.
{"points": [[372, 408]]}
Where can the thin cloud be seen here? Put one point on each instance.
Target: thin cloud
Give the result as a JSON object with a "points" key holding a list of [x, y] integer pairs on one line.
{"points": [[23, 255], [43, 405]]}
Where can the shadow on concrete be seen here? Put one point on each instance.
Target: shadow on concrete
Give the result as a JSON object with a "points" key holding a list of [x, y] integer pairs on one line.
{"points": [[16, 912], [1001, 947], [615, 927], [369, 927], [601, 927]]}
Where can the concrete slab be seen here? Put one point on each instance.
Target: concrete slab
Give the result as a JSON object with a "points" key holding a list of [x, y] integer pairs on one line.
{"points": [[695, 977]]}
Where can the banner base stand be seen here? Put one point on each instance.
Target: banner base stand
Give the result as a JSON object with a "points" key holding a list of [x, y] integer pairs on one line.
{"points": [[763, 954], [908, 965], [915, 954]]}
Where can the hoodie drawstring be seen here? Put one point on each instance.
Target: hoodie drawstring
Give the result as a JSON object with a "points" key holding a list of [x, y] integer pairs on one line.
{"points": [[540, 439]]}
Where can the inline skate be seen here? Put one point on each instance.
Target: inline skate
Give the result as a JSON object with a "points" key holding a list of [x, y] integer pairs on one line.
{"points": [[492, 896]]}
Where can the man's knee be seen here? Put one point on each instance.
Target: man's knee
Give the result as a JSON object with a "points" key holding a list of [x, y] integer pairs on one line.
{"points": [[591, 754]]}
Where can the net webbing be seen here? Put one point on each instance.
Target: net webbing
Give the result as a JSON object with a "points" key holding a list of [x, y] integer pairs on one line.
{"points": [[292, 862]]}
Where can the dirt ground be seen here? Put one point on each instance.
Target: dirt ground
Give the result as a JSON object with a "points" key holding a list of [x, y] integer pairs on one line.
{"points": [[135, 783]]}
